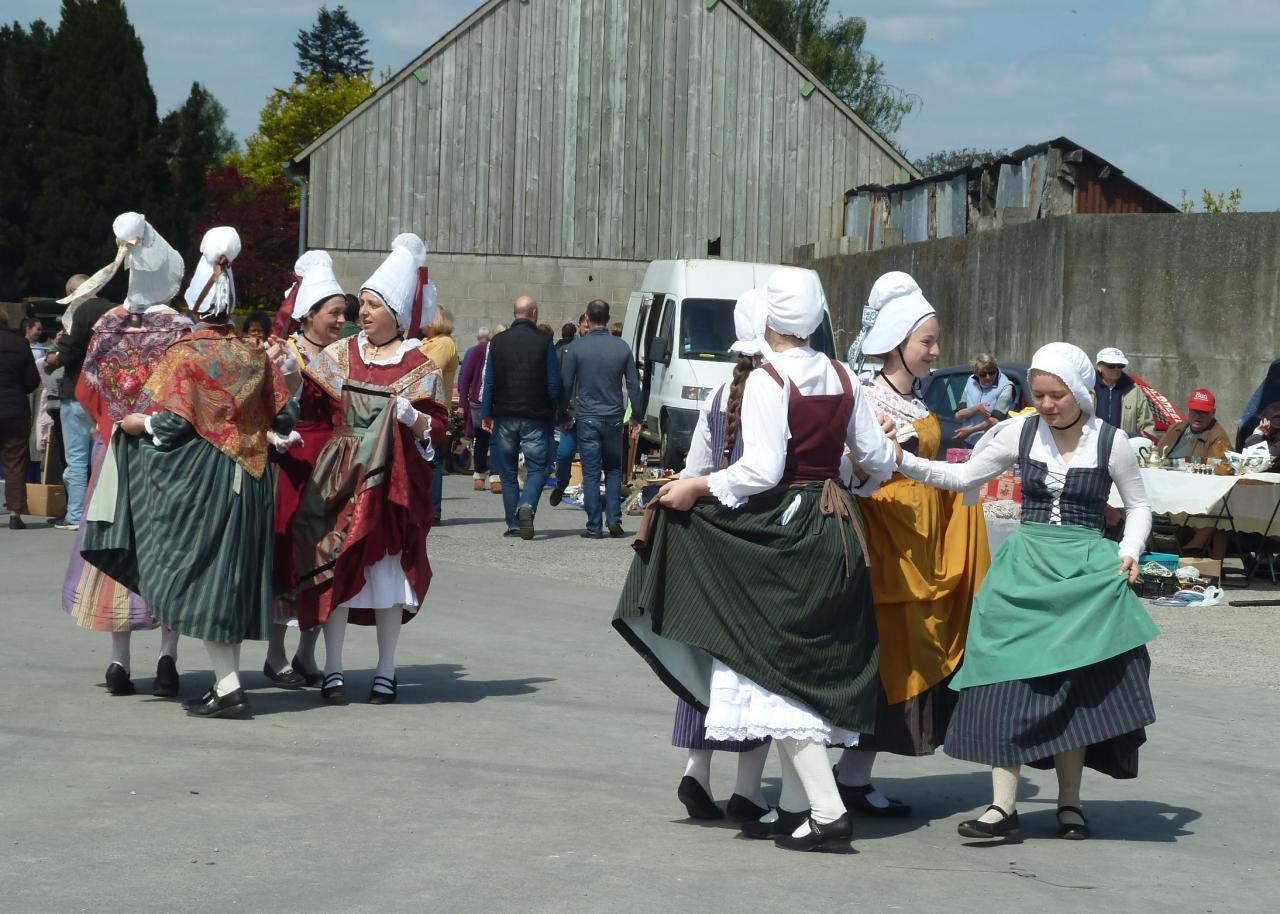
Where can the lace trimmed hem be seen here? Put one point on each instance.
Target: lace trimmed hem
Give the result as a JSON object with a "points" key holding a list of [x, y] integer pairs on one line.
{"points": [[833, 737]]}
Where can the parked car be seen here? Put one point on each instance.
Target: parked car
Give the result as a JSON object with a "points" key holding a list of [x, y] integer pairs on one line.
{"points": [[944, 389]]}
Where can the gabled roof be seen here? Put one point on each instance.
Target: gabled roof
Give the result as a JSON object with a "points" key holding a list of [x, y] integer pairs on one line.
{"points": [[479, 14]]}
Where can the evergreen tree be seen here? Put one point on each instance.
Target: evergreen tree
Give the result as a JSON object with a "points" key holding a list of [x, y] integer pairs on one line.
{"points": [[99, 154], [194, 138], [24, 63], [832, 50], [334, 46]]}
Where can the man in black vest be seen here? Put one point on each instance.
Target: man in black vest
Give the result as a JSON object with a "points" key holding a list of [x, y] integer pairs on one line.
{"points": [[521, 391]]}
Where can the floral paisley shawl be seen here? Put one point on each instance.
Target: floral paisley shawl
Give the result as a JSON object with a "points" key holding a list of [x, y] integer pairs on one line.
{"points": [[122, 353], [224, 387], [332, 367]]}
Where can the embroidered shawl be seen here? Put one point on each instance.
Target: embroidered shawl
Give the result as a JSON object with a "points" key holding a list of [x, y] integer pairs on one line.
{"points": [[332, 368], [230, 391]]}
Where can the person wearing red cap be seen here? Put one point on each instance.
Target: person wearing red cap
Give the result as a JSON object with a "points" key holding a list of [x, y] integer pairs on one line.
{"points": [[1199, 436]]}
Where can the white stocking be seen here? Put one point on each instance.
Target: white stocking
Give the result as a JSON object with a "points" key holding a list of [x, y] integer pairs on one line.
{"points": [[388, 622], [169, 643], [813, 768], [793, 798], [335, 630], [226, 674], [120, 649], [1069, 766], [1004, 793], [750, 770], [698, 767]]}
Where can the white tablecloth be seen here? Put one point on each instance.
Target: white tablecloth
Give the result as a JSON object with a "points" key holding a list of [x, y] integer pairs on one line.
{"points": [[1253, 498]]}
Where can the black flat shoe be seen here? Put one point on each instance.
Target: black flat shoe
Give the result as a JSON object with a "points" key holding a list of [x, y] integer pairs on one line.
{"points": [[742, 809], [312, 677], [1008, 827], [118, 681], [211, 704], [334, 690], [1072, 831], [696, 801], [833, 838], [855, 800], [166, 683], [379, 696], [616, 531], [288, 678], [16, 522], [785, 824], [556, 496]]}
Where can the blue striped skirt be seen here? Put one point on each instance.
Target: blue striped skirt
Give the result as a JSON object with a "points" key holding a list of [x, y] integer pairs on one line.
{"points": [[1104, 706], [690, 732]]}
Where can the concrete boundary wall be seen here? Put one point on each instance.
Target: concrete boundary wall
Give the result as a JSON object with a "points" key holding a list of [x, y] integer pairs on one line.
{"points": [[1193, 300]]}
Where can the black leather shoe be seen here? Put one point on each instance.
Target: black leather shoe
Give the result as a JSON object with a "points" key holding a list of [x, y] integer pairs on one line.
{"points": [[556, 496], [524, 517], [166, 683], [288, 678], [785, 824], [696, 801], [855, 800], [833, 838], [211, 704], [311, 677], [1008, 827], [742, 809], [379, 696], [16, 522], [334, 690], [588, 535], [616, 531], [118, 681], [1072, 831]]}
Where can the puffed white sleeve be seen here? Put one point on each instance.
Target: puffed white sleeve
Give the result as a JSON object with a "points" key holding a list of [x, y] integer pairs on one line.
{"points": [[762, 427], [1137, 507], [997, 452], [869, 447], [700, 461]]}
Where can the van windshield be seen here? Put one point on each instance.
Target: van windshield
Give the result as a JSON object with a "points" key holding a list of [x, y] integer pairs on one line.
{"points": [[706, 329]]}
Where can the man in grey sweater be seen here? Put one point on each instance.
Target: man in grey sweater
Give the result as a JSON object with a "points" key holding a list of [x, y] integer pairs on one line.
{"points": [[595, 367]]}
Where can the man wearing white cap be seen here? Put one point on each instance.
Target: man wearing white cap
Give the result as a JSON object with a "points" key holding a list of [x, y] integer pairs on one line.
{"points": [[1120, 401], [121, 350]]}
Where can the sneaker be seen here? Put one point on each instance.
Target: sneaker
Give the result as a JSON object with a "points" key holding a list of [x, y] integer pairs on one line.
{"points": [[512, 532], [62, 524], [524, 514]]}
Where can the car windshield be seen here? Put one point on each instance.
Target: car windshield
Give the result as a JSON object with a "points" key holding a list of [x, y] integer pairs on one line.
{"points": [[706, 329]]}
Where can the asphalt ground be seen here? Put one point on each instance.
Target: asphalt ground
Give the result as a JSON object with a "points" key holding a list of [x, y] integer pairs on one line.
{"points": [[528, 767]]}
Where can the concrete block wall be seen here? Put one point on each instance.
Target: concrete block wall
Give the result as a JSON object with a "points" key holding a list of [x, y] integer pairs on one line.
{"points": [[480, 289]]}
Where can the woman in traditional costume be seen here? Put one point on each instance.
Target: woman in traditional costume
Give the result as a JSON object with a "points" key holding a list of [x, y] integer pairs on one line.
{"points": [[313, 310], [186, 522], [360, 529], [126, 345], [1055, 667], [928, 552], [756, 604], [715, 445]]}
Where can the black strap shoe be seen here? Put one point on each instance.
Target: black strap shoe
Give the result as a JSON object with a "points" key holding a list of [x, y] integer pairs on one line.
{"points": [[832, 838], [211, 704], [742, 809], [785, 824], [334, 690], [118, 681], [1072, 831], [855, 800], [166, 683], [378, 695], [288, 678], [1007, 827], [696, 800]]}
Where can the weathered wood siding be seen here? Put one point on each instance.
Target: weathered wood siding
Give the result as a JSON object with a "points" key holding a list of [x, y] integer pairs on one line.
{"points": [[611, 129]]}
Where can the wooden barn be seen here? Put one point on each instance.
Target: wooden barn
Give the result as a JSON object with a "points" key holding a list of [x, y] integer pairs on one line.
{"points": [[557, 146]]}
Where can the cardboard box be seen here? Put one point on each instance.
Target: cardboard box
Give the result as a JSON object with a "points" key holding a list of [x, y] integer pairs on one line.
{"points": [[46, 500], [1208, 568], [575, 473]]}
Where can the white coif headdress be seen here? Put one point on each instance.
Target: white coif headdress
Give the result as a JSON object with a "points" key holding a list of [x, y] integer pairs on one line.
{"points": [[401, 282], [315, 283], [212, 292], [749, 316], [899, 306], [1071, 365], [155, 268]]}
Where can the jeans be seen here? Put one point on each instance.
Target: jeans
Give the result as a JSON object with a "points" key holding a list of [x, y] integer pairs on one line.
{"points": [[77, 444], [513, 436], [564, 456], [600, 444]]}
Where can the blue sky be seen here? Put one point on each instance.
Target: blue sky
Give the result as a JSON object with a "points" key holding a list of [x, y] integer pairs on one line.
{"points": [[1180, 94]]}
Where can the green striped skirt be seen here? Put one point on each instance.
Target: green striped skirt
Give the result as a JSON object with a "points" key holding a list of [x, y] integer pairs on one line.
{"points": [[777, 590]]}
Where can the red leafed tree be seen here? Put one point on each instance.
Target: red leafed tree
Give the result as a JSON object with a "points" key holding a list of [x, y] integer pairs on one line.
{"points": [[268, 227]]}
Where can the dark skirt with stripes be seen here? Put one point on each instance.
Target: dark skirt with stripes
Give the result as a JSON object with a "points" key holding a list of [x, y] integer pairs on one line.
{"points": [[914, 727], [1104, 707], [691, 728]]}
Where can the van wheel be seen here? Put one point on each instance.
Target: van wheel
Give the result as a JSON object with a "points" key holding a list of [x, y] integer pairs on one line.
{"points": [[672, 457]]}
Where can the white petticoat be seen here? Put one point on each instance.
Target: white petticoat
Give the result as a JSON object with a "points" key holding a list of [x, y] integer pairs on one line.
{"points": [[740, 710], [385, 586]]}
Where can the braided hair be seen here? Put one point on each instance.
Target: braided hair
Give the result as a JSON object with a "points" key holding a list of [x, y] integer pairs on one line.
{"points": [[733, 406]]}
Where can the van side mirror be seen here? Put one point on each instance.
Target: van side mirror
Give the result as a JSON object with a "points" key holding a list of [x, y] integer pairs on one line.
{"points": [[660, 350]]}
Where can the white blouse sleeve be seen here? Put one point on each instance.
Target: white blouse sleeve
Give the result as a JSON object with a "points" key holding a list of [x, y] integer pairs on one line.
{"points": [[764, 444], [993, 458], [1137, 507], [868, 445], [700, 461]]}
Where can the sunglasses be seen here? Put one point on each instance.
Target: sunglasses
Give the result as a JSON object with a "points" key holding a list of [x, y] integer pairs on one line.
{"points": [[1111, 366], [987, 374]]}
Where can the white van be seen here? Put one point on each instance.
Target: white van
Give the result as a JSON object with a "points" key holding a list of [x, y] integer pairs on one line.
{"points": [[680, 327]]}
